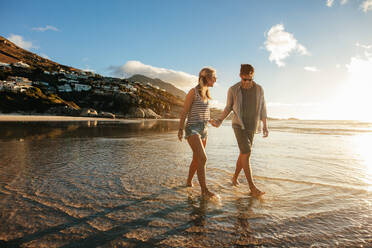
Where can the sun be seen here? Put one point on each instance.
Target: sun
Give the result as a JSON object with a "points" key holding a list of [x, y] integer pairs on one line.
{"points": [[355, 99]]}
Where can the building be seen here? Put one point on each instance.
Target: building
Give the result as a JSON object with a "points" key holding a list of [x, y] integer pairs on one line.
{"points": [[82, 87], [21, 64], [64, 88], [20, 80], [4, 65], [72, 76]]}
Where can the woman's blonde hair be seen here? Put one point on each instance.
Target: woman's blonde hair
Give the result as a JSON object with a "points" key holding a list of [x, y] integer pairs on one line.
{"points": [[204, 74]]}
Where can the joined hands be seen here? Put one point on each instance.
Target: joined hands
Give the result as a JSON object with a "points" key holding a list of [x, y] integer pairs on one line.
{"points": [[215, 123]]}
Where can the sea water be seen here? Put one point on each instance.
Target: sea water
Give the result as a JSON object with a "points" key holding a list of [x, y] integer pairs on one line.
{"points": [[113, 184]]}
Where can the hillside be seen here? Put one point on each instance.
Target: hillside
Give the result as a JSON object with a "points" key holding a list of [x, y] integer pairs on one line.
{"points": [[157, 82], [32, 84], [11, 53]]}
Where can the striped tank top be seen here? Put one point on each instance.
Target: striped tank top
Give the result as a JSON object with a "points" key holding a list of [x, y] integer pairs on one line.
{"points": [[199, 111]]}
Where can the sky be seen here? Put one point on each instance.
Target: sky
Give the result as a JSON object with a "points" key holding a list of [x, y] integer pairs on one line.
{"points": [[313, 58]]}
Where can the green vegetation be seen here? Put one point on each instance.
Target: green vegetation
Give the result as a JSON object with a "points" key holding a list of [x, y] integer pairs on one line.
{"points": [[33, 99]]}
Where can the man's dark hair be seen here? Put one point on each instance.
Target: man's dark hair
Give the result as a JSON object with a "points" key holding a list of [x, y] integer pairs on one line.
{"points": [[246, 69]]}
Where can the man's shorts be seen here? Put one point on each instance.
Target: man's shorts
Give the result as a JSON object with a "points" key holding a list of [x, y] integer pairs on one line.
{"points": [[245, 139], [200, 128]]}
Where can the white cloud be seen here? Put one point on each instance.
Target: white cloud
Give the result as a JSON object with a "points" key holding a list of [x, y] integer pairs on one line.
{"points": [[281, 44], [47, 27], [363, 46], [366, 5], [179, 79], [19, 41], [330, 3], [88, 69], [311, 68], [44, 56], [360, 69]]}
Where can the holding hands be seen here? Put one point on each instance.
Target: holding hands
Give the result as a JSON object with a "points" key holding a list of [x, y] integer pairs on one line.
{"points": [[180, 134], [215, 123]]}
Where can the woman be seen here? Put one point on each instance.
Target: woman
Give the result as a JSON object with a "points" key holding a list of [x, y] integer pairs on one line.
{"points": [[196, 108]]}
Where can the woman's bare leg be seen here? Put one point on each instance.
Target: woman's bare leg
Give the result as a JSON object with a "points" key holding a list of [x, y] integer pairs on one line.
{"points": [[197, 147], [193, 166]]}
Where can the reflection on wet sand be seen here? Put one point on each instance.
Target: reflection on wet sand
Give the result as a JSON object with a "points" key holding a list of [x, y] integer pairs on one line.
{"points": [[242, 227], [52, 130]]}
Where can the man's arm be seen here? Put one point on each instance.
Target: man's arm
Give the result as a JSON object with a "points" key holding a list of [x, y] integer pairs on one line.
{"points": [[263, 116], [265, 130]]}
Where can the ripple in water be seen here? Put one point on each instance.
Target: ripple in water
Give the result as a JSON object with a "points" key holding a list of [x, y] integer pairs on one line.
{"points": [[122, 185]]}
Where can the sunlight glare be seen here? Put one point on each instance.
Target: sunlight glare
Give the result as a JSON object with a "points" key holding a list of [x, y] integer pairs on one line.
{"points": [[363, 144], [355, 99]]}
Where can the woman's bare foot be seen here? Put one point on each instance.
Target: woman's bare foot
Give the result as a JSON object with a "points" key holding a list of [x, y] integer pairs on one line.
{"points": [[189, 184], [235, 181], [256, 192]]}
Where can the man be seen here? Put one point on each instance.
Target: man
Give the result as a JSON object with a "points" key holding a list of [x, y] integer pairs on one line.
{"points": [[246, 100]]}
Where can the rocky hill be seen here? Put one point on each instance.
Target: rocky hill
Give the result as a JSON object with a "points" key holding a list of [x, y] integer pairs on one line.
{"points": [[30, 83], [11, 53], [157, 82]]}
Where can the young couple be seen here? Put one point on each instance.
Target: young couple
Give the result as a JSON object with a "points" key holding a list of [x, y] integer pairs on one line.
{"points": [[246, 100]]}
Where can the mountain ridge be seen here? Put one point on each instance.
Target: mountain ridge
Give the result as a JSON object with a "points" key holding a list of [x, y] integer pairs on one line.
{"points": [[11, 53], [158, 82]]}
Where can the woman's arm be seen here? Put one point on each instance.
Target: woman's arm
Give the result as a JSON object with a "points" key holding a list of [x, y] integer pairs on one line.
{"points": [[227, 110], [186, 108]]}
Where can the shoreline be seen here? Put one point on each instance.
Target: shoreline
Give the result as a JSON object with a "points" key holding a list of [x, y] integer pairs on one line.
{"points": [[14, 117]]}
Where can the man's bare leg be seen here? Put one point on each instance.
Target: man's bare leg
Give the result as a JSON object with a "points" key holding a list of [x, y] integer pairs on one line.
{"points": [[238, 168], [248, 174]]}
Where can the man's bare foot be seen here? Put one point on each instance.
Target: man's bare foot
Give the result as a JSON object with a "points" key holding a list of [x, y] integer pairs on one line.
{"points": [[256, 192], [207, 194], [235, 181]]}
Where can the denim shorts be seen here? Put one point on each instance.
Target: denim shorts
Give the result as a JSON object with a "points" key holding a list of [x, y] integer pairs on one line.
{"points": [[200, 128]]}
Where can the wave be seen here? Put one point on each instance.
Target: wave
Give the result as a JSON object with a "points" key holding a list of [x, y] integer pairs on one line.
{"points": [[317, 130], [312, 183]]}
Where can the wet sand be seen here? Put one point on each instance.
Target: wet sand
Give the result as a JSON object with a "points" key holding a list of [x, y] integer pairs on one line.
{"points": [[38, 118]]}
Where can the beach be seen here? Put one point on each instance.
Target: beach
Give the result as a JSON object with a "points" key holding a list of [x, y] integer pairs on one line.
{"points": [[27, 118], [113, 184]]}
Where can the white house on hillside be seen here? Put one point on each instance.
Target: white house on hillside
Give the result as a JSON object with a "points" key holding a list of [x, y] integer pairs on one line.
{"points": [[21, 64], [82, 87], [64, 88], [4, 65]]}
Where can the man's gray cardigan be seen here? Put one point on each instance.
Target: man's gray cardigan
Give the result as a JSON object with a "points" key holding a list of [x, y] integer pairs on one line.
{"points": [[234, 103]]}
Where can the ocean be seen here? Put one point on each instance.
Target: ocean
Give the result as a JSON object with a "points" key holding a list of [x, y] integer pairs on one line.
{"points": [[113, 184]]}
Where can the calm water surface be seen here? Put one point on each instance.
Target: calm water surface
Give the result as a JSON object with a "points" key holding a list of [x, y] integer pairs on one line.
{"points": [[97, 184]]}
